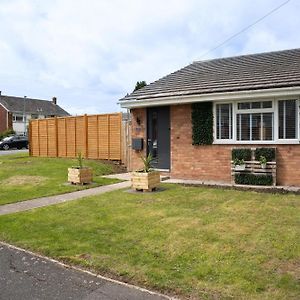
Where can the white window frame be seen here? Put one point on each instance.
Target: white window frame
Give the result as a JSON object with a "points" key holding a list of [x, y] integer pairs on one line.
{"points": [[15, 118], [273, 110]]}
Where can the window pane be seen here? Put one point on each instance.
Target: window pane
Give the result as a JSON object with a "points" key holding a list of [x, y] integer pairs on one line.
{"points": [[267, 104], [255, 105], [243, 125], [287, 119], [281, 106], [267, 126], [244, 105], [290, 117], [256, 127], [224, 121]]}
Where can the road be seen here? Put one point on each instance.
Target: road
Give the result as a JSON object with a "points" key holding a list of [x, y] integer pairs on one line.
{"points": [[4, 152], [27, 276]]}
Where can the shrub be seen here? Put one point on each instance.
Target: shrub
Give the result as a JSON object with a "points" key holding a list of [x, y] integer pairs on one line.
{"points": [[241, 154], [268, 153], [202, 121], [252, 179]]}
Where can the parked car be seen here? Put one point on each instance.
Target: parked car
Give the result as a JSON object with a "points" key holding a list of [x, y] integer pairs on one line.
{"points": [[14, 141]]}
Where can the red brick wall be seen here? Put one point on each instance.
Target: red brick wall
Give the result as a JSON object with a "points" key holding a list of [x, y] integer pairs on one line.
{"points": [[210, 163], [3, 119]]}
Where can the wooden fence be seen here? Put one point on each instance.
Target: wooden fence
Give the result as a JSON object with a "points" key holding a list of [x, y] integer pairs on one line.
{"points": [[95, 136]]}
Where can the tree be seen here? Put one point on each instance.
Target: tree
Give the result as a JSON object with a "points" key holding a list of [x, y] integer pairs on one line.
{"points": [[139, 85]]}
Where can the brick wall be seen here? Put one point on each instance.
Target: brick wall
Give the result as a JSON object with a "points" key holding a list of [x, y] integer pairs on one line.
{"points": [[210, 163], [3, 119]]}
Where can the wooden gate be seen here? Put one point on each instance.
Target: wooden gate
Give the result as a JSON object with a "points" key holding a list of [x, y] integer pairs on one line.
{"points": [[95, 136]]}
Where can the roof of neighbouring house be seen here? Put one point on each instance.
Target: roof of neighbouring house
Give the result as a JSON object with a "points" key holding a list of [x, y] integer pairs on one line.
{"points": [[35, 106], [240, 73]]}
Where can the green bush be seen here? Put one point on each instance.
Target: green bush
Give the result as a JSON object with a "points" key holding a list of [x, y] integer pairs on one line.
{"points": [[202, 121], [252, 179], [268, 153], [6, 133], [241, 154]]}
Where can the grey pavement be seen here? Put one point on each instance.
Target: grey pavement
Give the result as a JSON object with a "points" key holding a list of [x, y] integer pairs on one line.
{"points": [[46, 201], [26, 276], [8, 152]]}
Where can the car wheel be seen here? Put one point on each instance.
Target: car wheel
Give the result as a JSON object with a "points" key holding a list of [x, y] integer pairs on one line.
{"points": [[5, 147]]}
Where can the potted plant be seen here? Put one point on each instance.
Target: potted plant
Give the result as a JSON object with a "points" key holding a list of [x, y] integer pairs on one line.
{"points": [[263, 161], [239, 164], [146, 179], [80, 174]]}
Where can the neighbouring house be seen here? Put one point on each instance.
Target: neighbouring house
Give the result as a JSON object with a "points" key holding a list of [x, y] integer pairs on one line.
{"points": [[15, 112], [192, 119]]}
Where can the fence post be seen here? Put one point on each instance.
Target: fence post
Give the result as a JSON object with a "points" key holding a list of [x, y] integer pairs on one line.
{"points": [[97, 136], [108, 136], [56, 136], [47, 136], [38, 136], [75, 136], [86, 146], [30, 138], [65, 133]]}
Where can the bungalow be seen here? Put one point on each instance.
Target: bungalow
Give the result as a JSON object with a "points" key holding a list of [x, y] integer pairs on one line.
{"points": [[192, 119], [15, 112]]}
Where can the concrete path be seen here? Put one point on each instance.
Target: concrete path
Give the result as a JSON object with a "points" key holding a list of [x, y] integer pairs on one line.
{"points": [[26, 276], [8, 152], [46, 201]]}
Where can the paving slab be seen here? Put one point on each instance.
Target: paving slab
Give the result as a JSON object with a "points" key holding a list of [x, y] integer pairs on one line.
{"points": [[46, 201], [26, 276]]}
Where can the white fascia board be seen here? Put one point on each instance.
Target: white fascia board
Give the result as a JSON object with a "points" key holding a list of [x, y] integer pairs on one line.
{"points": [[241, 95], [4, 107]]}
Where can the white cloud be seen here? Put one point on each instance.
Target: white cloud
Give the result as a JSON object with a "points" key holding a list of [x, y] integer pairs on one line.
{"points": [[90, 53]]}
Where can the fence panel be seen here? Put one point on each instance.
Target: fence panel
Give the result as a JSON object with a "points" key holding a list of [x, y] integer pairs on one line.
{"points": [[95, 136]]}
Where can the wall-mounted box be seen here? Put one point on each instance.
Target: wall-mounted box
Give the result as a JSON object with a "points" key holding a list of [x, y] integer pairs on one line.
{"points": [[137, 144]]}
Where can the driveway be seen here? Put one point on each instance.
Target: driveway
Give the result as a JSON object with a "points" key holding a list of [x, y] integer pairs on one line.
{"points": [[27, 276], [7, 152]]}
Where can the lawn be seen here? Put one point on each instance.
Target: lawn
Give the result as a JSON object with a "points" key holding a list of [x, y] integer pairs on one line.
{"points": [[23, 177], [198, 243]]}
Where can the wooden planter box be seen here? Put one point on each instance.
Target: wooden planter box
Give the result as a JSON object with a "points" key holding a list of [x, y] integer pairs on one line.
{"points": [[146, 182], [80, 176]]}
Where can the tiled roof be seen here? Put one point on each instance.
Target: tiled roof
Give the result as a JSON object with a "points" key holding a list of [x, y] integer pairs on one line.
{"points": [[247, 72], [44, 107]]}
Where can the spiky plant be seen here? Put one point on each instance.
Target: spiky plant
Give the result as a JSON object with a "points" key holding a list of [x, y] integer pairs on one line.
{"points": [[147, 163]]}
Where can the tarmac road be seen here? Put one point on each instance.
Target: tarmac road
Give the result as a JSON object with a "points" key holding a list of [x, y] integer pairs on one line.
{"points": [[27, 276]]}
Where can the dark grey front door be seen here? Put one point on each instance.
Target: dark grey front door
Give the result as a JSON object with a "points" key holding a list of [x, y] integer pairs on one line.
{"points": [[158, 136]]}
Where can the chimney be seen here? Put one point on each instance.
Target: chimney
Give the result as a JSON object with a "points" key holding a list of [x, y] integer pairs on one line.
{"points": [[54, 100]]}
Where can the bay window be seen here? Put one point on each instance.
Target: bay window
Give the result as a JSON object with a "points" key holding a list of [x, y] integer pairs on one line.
{"points": [[256, 121]]}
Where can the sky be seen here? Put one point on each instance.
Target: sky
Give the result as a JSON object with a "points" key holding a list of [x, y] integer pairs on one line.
{"points": [[90, 53]]}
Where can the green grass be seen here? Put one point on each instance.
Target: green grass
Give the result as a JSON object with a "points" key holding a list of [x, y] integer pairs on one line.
{"points": [[23, 177], [194, 242]]}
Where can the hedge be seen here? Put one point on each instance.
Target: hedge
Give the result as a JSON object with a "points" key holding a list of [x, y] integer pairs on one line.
{"points": [[202, 121], [268, 153], [241, 154], [252, 179], [6, 133]]}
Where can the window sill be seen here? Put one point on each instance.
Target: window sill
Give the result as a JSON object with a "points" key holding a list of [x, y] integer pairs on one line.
{"points": [[278, 142]]}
